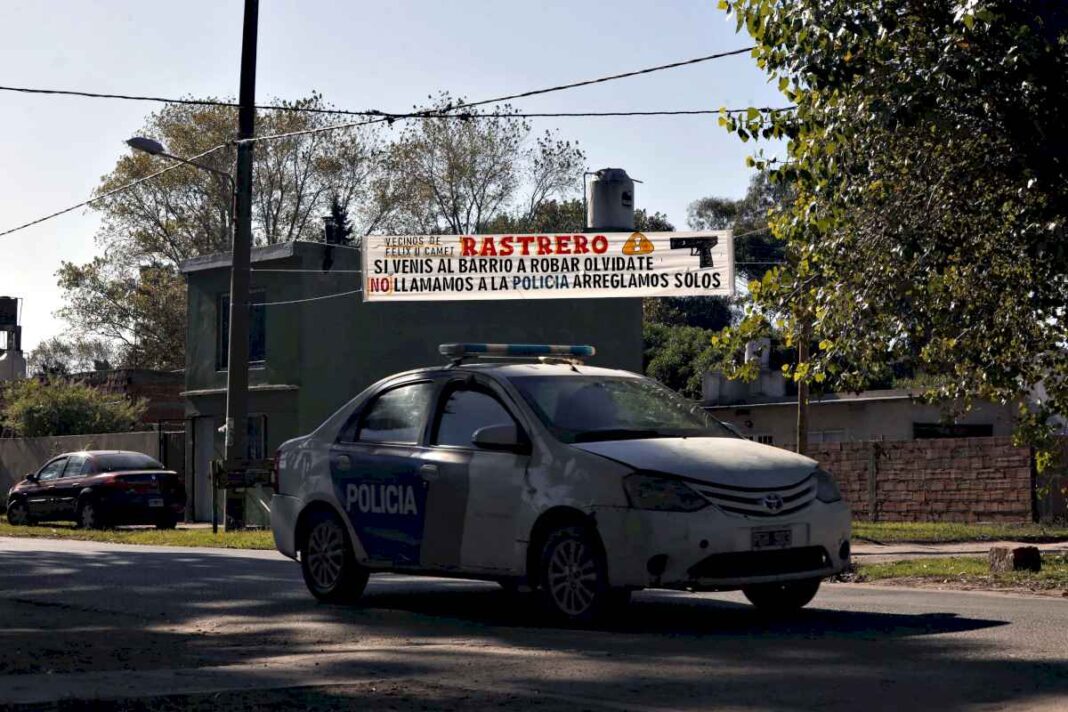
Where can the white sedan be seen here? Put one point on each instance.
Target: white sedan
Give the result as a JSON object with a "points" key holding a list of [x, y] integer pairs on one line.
{"points": [[581, 483]]}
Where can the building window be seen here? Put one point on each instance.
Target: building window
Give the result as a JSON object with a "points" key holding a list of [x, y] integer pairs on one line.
{"points": [[816, 437], [256, 437], [763, 439], [257, 330], [925, 431]]}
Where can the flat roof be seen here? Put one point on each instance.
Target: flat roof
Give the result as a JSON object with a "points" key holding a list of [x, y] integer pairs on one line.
{"points": [[827, 398]]}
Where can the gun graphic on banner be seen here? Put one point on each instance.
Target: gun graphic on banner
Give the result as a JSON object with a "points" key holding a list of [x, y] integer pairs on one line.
{"points": [[697, 246]]}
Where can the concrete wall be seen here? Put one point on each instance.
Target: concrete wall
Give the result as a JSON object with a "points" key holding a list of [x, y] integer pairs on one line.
{"points": [[20, 456], [855, 420], [951, 480]]}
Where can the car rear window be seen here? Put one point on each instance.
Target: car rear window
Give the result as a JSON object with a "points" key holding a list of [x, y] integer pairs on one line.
{"points": [[120, 461]]}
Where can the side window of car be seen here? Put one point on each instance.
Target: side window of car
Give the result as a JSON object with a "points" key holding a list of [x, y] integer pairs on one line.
{"points": [[464, 412], [75, 466], [52, 470], [398, 415]]}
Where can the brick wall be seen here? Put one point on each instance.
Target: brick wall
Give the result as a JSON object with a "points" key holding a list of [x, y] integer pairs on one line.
{"points": [[952, 480]]}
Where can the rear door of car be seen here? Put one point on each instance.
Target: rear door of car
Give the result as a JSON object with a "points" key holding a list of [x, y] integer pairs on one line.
{"points": [[376, 471], [40, 501], [68, 486], [471, 522]]}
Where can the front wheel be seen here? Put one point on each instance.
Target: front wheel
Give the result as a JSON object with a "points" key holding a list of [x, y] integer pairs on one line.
{"points": [[328, 562], [167, 522], [573, 576], [782, 597], [18, 514]]}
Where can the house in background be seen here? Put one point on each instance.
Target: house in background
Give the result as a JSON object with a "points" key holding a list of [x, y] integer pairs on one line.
{"points": [[312, 350], [765, 410]]}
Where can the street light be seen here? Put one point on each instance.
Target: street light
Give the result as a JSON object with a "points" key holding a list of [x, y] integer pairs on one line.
{"points": [[154, 148]]}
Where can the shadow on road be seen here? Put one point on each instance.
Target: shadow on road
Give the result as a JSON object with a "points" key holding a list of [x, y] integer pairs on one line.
{"points": [[128, 610]]}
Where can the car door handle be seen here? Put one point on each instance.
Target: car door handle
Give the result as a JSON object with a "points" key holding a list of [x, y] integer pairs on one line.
{"points": [[429, 472]]}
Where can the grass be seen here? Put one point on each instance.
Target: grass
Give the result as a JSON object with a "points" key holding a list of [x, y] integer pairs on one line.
{"points": [[251, 539], [943, 532], [968, 571]]}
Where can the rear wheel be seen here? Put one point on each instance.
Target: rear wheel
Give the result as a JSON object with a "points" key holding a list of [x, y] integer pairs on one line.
{"points": [[88, 515], [18, 514], [328, 562], [167, 522], [782, 597], [573, 576]]}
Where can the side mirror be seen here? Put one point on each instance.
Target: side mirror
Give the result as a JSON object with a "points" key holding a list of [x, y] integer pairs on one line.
{"points": [[31, 477], [503, 438]]}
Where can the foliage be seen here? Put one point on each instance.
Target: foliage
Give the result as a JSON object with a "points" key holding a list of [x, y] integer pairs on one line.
{"points": [[454, 176], [929, 155], [36, 408], [943, 532], [756, 249], [677, 356], [969, 571], [67, 354], [339, 223]]}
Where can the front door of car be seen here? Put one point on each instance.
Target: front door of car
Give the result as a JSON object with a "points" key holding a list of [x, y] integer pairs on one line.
{"points": [[40, 500], [471, 521], [68, 486], [376, 472]]}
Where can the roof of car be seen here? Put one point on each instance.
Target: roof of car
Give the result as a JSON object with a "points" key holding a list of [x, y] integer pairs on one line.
{"points": [[105, 452], [511, 369]]}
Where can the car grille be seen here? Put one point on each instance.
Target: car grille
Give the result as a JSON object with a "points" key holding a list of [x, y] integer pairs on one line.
{"points": [[750, 564], [759, 501]]}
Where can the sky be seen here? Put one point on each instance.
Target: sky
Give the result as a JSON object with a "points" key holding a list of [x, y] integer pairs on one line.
{"points": [[387, 55]]}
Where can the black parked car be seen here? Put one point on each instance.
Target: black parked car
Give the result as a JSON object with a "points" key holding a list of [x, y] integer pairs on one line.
{"points": [[99, 488]]}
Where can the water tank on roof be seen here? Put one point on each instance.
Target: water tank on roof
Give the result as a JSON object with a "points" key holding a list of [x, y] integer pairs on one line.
{"points": [[610, 206]]}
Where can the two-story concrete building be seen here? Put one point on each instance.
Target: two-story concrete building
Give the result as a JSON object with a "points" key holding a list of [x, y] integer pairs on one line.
{"points": [[314, 344]]}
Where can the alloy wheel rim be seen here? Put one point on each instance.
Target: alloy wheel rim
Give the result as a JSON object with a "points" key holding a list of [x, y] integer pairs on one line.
{"points": [[326, 554], [88, 516], [572, 577]]}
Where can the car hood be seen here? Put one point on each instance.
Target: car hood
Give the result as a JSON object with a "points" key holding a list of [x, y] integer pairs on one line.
{"points": [[727, 461]]}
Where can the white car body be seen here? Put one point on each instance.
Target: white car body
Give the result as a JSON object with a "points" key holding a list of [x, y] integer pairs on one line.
{"points": [[471, 512]]}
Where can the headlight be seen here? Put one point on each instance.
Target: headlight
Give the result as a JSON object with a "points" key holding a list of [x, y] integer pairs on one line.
{"points": [[826, 488], [663, 494]]}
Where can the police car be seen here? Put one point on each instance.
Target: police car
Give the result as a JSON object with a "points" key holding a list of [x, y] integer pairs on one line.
{"points": [[520, 464]]}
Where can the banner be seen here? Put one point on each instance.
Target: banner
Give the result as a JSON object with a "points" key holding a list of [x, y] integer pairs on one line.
{"points": [[572, 266]]}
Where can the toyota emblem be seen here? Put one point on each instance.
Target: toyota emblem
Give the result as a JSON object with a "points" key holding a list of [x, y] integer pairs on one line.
{"points": [[773, 502]]}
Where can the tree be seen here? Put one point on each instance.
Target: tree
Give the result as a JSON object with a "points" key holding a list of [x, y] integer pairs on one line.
{"points": [[64, 355], [678, 356], [756, 249], [133, 295], [338, 223], [456, 176], [38, 408], [929, 154]]}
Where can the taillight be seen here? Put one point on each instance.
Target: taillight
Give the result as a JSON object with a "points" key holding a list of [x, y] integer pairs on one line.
{"points": [[275, 467]]}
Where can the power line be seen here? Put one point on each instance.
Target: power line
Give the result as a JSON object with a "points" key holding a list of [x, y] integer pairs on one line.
{"points": [[308, 299], [386, 115], [109, 193], [383, 114]]}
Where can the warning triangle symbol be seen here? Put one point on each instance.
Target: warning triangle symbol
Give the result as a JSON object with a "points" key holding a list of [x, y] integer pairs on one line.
{"points": [[638, 244]]}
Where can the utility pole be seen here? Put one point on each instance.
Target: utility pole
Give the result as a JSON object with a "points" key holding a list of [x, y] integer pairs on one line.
{"points": [[804, 337], [237, 354]]}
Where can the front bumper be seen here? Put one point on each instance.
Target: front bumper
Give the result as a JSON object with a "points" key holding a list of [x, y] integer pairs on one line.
{"points": [[713, 550], [284, 513]]}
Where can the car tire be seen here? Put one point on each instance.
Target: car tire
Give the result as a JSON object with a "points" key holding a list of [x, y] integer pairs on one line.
{"points": [[167, 522], [328, 562], [782, 597], [573, 576], [18, 514], [88, 515]]}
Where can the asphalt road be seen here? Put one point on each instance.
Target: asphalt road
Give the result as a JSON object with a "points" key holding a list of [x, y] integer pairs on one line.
{"points": [[163, 628]]}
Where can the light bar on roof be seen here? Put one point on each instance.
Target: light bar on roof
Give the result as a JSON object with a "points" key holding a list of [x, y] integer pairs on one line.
{"points": [[516, 350]]}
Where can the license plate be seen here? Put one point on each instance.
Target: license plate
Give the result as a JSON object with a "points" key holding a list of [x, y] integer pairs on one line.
{"points": [[772, 538], [155, 503]]}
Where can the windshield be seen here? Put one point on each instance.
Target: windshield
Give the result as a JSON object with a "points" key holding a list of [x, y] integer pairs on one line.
{"points": [[591, 408], [121, 461]]}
